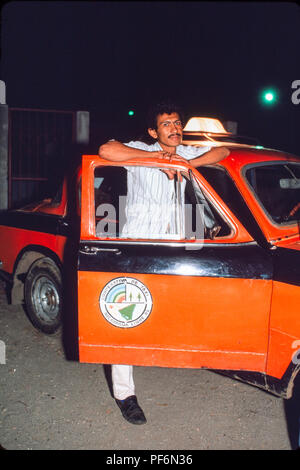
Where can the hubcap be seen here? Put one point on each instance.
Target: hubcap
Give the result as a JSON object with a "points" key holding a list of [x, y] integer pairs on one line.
{"points": [[45, 298]]}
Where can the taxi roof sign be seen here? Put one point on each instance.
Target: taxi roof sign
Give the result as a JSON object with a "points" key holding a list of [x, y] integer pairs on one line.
{"points": [[203, 124]]}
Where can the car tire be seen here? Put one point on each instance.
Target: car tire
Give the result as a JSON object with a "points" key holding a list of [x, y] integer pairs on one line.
{"points": [[43, 295]]}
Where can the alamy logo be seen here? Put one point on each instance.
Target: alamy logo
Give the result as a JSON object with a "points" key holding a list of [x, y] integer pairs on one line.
{"points": [[296, 94], [182, 220]]}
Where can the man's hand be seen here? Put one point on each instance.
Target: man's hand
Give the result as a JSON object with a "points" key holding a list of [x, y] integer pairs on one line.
{"points": [[170, 173], [162, 154], [170, 157]]}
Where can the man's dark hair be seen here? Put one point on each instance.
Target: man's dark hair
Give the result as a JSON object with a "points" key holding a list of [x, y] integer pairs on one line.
{"points": [[162, 108]]}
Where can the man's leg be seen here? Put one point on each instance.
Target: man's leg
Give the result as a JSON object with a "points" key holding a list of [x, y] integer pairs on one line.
{"points": [[124, 393], [122, 381]]}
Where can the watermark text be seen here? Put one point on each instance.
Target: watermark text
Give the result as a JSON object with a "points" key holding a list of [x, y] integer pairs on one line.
{"points": [[296, 94], [187, 224]]}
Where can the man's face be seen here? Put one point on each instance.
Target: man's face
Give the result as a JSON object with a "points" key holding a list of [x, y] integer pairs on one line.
{"points": [[169, 130]]}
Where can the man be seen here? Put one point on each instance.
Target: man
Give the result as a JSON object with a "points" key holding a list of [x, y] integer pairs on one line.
{"points": [[154, 189]]}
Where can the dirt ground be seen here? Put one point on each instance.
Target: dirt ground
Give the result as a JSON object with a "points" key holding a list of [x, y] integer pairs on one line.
{"points": [[49, 402]]}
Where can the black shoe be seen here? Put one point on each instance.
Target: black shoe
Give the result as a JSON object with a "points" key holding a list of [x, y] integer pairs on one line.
{"points": [[131, 410]]}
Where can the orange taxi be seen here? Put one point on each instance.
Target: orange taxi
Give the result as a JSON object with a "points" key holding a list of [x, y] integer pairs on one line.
{"points": [[222, 293]]}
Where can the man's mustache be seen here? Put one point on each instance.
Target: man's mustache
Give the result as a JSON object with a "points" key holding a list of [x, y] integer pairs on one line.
{"points": [[171, 135]]}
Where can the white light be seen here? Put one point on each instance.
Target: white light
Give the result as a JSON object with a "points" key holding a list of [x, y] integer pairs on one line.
{"points": [[200, 124], [269, 96]]}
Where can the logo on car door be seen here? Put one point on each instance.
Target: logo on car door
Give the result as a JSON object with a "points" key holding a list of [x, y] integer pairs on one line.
{"points": [[125, 302]]}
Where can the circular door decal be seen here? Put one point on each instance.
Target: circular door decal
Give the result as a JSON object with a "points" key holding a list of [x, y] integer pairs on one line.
{"points": [[125, 302]]}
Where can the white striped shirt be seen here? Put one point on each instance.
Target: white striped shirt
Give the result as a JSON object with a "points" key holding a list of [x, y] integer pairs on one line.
{"points": [[150, 204]]}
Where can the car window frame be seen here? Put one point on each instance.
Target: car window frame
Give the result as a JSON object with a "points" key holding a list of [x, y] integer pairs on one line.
{"points": [[238, 234], [281, 226]]}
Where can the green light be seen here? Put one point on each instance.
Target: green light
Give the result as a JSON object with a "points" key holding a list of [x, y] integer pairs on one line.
{"points": [[131, 113], [269, 97]]}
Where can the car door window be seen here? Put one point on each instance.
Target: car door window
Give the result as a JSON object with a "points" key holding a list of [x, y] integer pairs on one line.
{"points": [[191, 215]]}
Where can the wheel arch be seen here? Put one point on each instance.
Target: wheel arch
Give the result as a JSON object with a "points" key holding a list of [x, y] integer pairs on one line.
{"points": [[26, 258]]}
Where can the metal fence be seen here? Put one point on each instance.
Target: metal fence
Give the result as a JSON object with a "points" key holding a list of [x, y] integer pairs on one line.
{"points": [[39, 142]]}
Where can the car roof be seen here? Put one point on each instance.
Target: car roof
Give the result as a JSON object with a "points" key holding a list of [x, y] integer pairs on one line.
{"points": [[241, 156]]}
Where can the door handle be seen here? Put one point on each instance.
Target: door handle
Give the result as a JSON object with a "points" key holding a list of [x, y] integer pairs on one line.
{"points": [[92, 250]]}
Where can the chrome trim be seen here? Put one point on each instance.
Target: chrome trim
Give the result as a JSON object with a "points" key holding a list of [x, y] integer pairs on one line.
{"points": [[92, 250], [174, 244]]}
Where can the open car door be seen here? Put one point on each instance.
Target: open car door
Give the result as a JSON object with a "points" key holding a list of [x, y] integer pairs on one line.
{"points": [[198, 299]]}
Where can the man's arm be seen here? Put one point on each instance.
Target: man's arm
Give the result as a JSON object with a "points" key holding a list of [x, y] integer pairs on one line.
{"points": [[118, 152], [214, 155]]}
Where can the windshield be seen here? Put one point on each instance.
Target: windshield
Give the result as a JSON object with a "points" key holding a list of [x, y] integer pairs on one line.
{"points": [[277, 186]]}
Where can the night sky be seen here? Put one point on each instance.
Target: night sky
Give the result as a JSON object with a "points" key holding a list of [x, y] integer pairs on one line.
{"points": [[108, 57]]}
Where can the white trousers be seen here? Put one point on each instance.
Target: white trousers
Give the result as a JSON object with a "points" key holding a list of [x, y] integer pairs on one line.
{"points": [[122, 381]]}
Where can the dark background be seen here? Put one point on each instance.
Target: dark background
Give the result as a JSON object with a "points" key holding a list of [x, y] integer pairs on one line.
{"points": [[109, 57]]}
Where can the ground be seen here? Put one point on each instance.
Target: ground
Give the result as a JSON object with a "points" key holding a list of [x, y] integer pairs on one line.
{"points": [[49, 402]]}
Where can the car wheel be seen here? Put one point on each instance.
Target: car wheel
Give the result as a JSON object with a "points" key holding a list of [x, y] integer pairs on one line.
{"points": [[43, 296]]}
